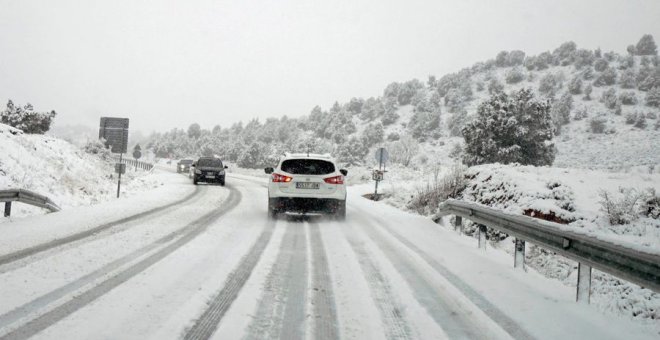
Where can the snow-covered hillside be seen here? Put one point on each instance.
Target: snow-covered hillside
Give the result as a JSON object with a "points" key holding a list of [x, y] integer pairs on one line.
{"points": [[61, 171]]}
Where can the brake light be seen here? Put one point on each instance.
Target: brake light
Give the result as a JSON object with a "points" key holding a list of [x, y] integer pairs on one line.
{"points": [[277, 178], [334, 180]]}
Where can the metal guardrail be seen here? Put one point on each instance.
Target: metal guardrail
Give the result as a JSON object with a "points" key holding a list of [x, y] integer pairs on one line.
{"points": [[136, 163], [642, 268], [28, 197]]}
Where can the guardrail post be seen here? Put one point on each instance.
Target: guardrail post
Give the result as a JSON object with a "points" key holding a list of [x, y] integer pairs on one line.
{"points": [[7, 209], [584, 283], [482, 236], [458, 223], [519, 255]]}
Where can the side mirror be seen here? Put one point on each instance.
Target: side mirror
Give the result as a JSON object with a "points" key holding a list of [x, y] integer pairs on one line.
{"points": [[226, 167], [194, 164], [269, 170], [344, 172]]}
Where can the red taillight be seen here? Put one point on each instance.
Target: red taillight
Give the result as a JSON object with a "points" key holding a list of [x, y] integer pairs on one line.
{"points": [[334, 180], [277, 178]]}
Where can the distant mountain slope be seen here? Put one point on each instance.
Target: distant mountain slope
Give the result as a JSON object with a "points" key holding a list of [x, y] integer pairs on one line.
{"points": [[605, 107]]}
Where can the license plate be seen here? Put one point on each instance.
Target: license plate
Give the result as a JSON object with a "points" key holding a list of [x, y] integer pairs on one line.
{"points": [[307, 185], [210, 176]]}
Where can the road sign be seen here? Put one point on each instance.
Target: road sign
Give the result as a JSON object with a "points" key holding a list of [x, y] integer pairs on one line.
{"points": [[137, 154], [382, 155], [115, 133], [120, 168]]}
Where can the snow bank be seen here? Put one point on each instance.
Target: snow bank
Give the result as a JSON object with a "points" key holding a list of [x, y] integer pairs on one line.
{"points": [[61, 171]]}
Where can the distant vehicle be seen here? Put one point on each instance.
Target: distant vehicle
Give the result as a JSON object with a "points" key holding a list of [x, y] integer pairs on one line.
{"points": [[307, 184], [208, 170], [184, 165]]}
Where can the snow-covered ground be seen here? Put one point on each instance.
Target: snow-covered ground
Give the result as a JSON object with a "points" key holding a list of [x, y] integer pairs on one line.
{"points": [[62, 171], [215, 266], [573, 195]]}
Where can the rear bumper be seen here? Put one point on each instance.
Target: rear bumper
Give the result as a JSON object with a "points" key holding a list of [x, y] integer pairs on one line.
{"points": [[218, 178], [305, 204]]}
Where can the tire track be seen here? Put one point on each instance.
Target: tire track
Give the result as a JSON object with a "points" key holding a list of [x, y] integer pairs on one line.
{"points": [[208, 322], [504, 321], [40, 248], [281, 310], [391, 313], [324, 311], [455, 323], [176, 241]]}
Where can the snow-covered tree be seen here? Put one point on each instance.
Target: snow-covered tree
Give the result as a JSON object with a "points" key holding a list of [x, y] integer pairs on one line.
{"points": [[351, 152], [390, 116], [510, 128], [26, 119], [515, 58], [373, 134], [561, 109], [628, 80], [494, 86], [653, 97], [646, 46], [606, 78], [456, 122], [550, 84], [194, 130], [575, 85], [609, 98], [514, 75], [587, 92], [600, 64], [628, 98], [371, 109]]}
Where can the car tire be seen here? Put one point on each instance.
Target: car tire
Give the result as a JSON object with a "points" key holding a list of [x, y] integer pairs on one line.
{"points": [[222, 183], [340, 213]]}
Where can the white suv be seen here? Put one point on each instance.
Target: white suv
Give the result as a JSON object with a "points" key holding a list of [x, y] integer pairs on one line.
{"points": [[306, 184]]}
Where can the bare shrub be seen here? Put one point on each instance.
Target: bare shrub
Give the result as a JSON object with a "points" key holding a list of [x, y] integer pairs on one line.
{"points": [[427, 199], [622, 207]]}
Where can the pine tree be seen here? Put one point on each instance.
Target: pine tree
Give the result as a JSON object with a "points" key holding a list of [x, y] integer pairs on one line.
{"points": [[653, 97], [509, 129], [646, 46]]}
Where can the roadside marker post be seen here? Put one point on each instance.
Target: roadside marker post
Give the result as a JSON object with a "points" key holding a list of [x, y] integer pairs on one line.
{"points": [[378, 174]]}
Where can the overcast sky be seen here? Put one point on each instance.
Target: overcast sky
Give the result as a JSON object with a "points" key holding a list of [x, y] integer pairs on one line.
{"points": [[166, 64]]}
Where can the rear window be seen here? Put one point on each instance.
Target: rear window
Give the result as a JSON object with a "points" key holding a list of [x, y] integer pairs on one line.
{"points": [[210, 162], [186, 161], [307, 167]]}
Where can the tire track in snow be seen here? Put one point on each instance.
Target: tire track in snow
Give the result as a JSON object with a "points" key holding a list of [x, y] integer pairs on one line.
{"points": [[40, 248], [172, 242], [391, 313], [504, 321], [205, 326], [324, 311], [281, 310], [456, 323]]}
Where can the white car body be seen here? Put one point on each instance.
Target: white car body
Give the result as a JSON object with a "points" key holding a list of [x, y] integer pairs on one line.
{"points": [[307, 183]]}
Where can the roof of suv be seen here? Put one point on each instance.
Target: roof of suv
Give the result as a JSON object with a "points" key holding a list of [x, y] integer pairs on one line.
{"points": [[308, 156]]}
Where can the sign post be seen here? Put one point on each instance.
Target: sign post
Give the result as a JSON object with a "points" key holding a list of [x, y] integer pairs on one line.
{"points": [[381, 157], [115, 133]]}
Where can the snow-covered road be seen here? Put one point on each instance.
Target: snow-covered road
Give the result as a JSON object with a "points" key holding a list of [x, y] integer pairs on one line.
{"points": [[211, 265]]}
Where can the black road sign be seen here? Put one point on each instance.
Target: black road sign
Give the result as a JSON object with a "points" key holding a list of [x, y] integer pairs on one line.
{"points": [[115, 133]]}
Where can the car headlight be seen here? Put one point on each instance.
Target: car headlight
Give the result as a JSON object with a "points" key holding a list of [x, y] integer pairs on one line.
{"points": [[198, 171]]}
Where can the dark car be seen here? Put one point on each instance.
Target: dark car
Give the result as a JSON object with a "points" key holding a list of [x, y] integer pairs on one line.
{"points": [[209, 170], [183, 165]]}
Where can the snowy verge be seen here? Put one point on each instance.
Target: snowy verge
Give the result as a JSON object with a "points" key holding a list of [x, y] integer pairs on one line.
{"points": [[569, 196], [62, 171]]}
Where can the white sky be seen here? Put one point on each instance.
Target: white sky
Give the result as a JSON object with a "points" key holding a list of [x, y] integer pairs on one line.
{"points": [[167, 64]]}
